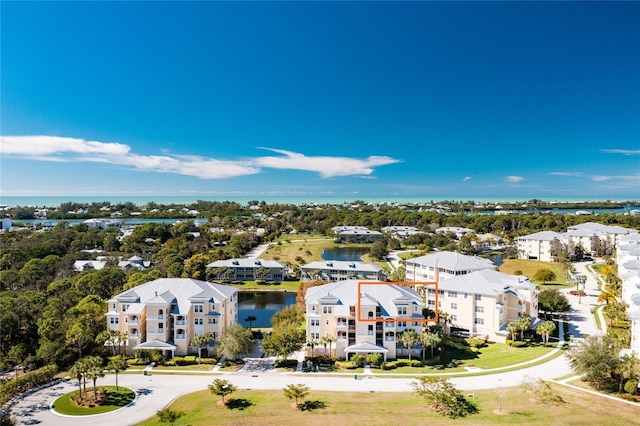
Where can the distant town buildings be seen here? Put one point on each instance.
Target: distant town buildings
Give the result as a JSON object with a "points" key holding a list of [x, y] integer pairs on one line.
{"points": [[247, 269], [340, 270], [167, 313], [593, 238], [355, 234]]}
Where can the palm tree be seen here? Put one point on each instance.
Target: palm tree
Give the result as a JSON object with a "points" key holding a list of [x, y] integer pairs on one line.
{"points": [[616, 310], [312, 344], [626, 369], [409, 338], [296, 392], [430, 340], [445, 317], [116, 363], [77, 371], [512, 327], [202, 339], [222, 388], [545, 329], [523, 323], [250, 319], [94, 371], [327, 340]]}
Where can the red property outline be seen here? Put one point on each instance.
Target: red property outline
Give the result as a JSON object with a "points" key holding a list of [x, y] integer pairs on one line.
{"points": [[401, 283]]}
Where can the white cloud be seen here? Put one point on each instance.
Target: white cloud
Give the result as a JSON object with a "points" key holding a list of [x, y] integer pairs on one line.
{"points": [[326, 166], [597, 178], [54, 148], [466, 178], [622, 151], [515, 179]]}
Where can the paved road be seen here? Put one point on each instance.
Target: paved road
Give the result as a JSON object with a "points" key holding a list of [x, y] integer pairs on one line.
{"points": [[156, 391]]}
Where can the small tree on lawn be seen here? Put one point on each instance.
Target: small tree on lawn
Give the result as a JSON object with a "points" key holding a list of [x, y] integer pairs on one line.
{"points": [[116, 363], [409, 338], [544, 275], [95, 369], [512, 327], [77, 371], [430, 340], [222, 388], [296, 392], [168, 415], [595, 357], [545, 329], [443, 397], [539, 388], [202, 339]]}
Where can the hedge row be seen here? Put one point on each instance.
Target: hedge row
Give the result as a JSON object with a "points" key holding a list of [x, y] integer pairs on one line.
{"points": [[12, 387]]}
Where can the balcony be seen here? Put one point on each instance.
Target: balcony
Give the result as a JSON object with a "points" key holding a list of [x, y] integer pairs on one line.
{"points": [[181, 322], [134, 335], [133, 323], [181, 336], [341, 324]]}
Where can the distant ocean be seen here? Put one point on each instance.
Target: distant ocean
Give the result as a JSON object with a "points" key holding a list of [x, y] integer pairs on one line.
{"points": [[55, 201]]}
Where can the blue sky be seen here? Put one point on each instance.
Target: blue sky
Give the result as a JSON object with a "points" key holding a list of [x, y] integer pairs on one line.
{"points": [[442, 100]]}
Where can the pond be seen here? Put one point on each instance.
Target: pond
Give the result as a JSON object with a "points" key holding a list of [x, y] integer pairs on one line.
{"points": [[262, 305], [345, 253]]}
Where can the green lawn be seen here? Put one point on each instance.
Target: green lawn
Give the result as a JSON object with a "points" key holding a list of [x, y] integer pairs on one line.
{"points": [[530, 267], [115, 399], [272, 408], [494, 355]]}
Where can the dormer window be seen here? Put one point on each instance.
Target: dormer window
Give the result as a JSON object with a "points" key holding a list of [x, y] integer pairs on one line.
{"points": [[198, 308]]}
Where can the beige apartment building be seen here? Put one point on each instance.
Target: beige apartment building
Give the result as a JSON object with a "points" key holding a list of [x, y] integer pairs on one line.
{"points": [[385, 310], [482, 303], [443, 265], [340, 270], [167, 313]]}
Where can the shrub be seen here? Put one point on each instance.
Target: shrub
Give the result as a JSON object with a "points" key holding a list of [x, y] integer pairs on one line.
{"points": [[208, 361], [190, 359], [170, 363], [179, 360], [347, 365], [402, 362], [261, 282], [508, 342], [374, 359], [389, 365], [286, 363], [415, 363], [358, 359], [475, 343], [631, 387], [519, 344]]}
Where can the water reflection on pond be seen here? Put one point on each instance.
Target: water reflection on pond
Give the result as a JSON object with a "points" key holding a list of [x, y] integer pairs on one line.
{"points": [[262, 305], [345, 253]]}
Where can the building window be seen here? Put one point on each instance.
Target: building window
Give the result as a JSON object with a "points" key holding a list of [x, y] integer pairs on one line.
{"points": [[402, 310], [326, 322], [431, 303], [453, 294], [124, 308], [198, 321], [198, 309], [454, 317], [454, 306], [114, 320], [315, 323], [315, 336], [478, 321], [478, 297], [402, 323], [479, 309], [327, 309], [212, 321]]}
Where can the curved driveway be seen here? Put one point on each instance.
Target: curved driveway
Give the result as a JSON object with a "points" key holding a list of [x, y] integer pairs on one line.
{"points": [[156, 391]]}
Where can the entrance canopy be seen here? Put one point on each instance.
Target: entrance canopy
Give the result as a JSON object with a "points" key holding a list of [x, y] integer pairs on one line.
{"points": [[367, 348], [157, 344]]}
